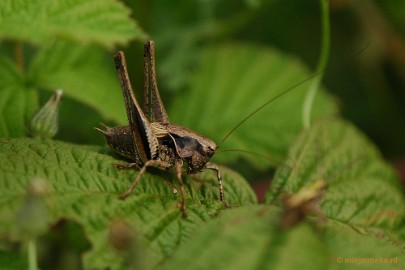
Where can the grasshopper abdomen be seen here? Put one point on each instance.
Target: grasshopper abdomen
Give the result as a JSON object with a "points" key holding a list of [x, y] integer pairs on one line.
{"points": [[120, 139]]}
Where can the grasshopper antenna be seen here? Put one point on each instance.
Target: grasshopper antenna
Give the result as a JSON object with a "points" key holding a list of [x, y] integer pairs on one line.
{"points": [[271, 160], [358, 52], [268, 102]]}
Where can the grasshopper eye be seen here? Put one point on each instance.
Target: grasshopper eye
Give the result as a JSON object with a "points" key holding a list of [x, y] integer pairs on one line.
{"points": [[209, 150]]}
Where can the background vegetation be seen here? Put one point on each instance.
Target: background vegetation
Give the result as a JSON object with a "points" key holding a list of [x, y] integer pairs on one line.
{"points": [[332, 195]]}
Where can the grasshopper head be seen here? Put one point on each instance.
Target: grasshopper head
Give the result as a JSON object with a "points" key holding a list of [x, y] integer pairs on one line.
{"points": [[204, 151], [195, 149]]}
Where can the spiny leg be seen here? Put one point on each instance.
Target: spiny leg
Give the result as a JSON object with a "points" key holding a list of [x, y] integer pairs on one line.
{"points": [[214, 167], [149, 163], [178, 168], [127, 166]]}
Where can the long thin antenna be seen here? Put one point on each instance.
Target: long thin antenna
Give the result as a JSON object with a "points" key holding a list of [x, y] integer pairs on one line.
{"points": [[268, 158], [270, 101]]}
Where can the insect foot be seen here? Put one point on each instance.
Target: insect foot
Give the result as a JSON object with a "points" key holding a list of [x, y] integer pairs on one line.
{"points": [[150, 140]]}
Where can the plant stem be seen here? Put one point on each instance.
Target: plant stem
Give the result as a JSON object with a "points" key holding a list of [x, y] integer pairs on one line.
{"points": [[322, 62], [19, 56], [32, 255]]}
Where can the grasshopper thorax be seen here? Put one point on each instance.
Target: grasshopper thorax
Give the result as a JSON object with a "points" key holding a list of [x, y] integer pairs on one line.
{"points": [[191, 147]]}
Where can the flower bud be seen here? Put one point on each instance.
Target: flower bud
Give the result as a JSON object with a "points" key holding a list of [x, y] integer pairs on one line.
{"points": [[45, 122]]}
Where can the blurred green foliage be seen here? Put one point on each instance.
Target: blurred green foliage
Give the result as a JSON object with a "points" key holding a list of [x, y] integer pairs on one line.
{"points": [[367, 58], [365, 71], [217, 61]]}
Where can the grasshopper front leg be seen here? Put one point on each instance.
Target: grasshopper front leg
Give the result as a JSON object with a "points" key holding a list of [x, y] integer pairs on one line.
{"points": [[178, 168], [214, 167]]}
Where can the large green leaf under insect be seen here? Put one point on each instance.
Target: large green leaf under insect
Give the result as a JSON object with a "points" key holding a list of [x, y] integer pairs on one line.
{"points": [[83, 184]]}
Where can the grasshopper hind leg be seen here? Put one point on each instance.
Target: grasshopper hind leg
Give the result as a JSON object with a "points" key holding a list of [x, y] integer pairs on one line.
{"points": [[127, 166], [161, 165], [149, 163]]}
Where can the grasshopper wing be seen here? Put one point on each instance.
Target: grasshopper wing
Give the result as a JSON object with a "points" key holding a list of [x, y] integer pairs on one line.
{"points": [[145, 142]]}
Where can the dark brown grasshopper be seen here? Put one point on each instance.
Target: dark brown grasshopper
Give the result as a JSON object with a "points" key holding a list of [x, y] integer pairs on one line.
{"points": [[151, 140]]}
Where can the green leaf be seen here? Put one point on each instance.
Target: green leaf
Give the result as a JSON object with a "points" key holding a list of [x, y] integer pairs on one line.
{"points": [[362, 190], [60, 65], [16, 108], [250, 237], [9, 72], [85, 74], [17, 101], [348, 248], [12, 261], [83, 185], [105, 22], [233, 81]]}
